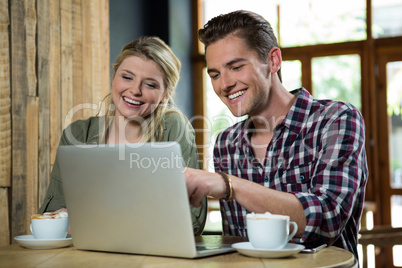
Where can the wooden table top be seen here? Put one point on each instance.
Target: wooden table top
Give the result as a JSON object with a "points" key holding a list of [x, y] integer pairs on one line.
{"points": [[18, 256]]}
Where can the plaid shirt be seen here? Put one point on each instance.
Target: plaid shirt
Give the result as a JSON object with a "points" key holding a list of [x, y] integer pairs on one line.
{"points": [[316, 153]]}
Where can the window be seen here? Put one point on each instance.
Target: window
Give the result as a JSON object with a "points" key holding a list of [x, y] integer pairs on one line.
{"points": [[337, 78], [320, 22], [291, 74], [387, 16]]}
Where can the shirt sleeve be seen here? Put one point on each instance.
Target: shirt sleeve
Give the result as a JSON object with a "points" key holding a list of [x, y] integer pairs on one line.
{"points": [[178, 128], [54, 198], [338, 179], [79, 132]]}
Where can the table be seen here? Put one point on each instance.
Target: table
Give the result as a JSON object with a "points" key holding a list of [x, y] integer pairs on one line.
{"points": [[18, 256]]}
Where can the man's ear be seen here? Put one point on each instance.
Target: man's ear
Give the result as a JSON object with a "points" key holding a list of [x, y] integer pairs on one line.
{"points": [[275, 59]]}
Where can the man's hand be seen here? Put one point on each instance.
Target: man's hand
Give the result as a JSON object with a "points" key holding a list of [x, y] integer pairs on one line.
{"points": [[201, 183]]}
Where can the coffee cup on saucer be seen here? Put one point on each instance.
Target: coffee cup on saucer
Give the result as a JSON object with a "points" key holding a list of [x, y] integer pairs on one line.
{"points": [[49, 225], [269, 231]]}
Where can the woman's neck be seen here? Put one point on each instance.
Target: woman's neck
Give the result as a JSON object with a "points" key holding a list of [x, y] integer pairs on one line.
{"points": [[124, 131]]}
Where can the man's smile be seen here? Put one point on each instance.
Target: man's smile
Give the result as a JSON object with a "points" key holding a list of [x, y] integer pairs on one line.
{"points": [[236, 95]]}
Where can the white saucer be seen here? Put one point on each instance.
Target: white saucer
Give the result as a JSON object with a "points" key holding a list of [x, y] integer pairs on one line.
{"points": [[29, 241], [247, 249]]}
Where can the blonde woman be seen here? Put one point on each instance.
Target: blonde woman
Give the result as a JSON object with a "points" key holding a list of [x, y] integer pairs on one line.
{"points": [[140, 109]]}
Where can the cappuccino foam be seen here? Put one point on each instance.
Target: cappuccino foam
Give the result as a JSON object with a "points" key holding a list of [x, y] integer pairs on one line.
{"points": [[266, 215], [50, 215]]}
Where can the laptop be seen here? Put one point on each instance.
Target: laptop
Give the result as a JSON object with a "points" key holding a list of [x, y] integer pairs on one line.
{"points": [[130, 198]]}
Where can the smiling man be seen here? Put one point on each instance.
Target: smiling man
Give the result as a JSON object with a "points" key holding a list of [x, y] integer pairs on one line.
{"points": [[293, 155]]}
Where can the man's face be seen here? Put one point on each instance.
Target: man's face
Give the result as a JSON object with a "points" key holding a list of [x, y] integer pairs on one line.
{"points": [[239, 77]]}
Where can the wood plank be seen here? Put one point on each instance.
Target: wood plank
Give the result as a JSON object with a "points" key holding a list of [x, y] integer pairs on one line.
{"points": [[19, 86], [381, 236], [4, 217], [44, 162], [66, 23], [384, 203], [369, 110], [105, 48], [31, 121], [388, 41], [293, 53], [5, 126], [5, 101], [307, 73], [78, 97], [86, 55], [199, 92], [30, 39], [32, 127], [54, 77], [97, 94], [197, 22], [198, 121]]}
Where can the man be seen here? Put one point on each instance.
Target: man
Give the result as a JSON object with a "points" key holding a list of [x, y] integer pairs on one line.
{"points": [[293, 155]]}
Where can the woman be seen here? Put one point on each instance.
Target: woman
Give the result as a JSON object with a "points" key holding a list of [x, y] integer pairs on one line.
{"points": [[140, 110]]}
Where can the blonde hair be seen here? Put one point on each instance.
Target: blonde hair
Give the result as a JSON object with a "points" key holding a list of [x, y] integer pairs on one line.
{"points": [[151, 48]]}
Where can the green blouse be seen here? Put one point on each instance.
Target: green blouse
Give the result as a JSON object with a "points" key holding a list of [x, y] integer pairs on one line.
{"points": [[175, 128]]}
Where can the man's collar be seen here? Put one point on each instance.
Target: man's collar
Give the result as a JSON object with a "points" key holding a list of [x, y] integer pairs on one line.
{"points": [[300, 110], [294, 120]]}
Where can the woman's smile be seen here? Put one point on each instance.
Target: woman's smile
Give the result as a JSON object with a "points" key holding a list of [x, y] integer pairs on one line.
{"points": [[132, 101], [138, 87]]}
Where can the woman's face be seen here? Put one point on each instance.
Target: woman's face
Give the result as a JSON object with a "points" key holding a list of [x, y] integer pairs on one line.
{"points": [[137, 87]]}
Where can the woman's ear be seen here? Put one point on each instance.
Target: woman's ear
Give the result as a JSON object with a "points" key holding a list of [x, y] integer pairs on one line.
{"points": [[165, 97], [275, 59]]}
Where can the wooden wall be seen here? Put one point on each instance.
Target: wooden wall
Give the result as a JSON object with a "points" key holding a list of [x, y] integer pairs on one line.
{"points": [[54, 61]]}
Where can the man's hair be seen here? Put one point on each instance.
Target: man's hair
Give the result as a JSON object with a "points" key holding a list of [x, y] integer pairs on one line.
{"points": [[255, 31]]}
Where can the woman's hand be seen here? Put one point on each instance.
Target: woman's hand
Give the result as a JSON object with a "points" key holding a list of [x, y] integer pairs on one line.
{"points": [[62, 210]]}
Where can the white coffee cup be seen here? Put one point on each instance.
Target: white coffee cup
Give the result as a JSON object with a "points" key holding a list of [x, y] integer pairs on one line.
{"points": [[269, 231], [49, 228]]}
